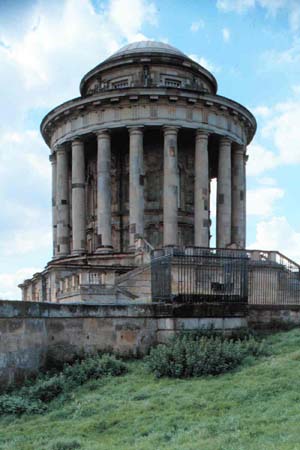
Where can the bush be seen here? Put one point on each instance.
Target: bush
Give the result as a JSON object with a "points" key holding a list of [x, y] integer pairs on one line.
{"points": [[197, 355], [32, 398], [15, 404], [93, 367], [45, 389]]}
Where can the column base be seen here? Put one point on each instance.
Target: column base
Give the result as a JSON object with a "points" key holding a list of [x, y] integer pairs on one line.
{"points": [[66, 255], [104, 249], [137, 245], [78, 252]]}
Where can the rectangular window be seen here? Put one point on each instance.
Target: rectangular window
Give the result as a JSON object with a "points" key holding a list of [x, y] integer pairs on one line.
{"points": [[120, 84], [170, 82]]}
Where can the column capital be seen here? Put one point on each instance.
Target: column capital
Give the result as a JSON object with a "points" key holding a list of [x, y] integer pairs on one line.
{"points": [[225, 140], [170, 129], [239, 149], [201, 134], [76, 140], [104, 133], [135, 129], [60, 148]]}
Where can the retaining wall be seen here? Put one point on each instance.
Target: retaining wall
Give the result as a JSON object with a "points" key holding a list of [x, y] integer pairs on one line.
{"points": [[32, 334]]}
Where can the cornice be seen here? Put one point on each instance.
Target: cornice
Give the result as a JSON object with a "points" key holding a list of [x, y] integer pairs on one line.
{"points": [[79, 106]]}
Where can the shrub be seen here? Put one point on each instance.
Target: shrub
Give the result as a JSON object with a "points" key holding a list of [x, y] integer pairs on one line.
{"points": [[32, 398], [15, 404], [196, 355], [93, 367], [45, 389]]}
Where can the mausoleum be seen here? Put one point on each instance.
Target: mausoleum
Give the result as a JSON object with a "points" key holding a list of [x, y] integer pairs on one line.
{"points": [[132, 162]]}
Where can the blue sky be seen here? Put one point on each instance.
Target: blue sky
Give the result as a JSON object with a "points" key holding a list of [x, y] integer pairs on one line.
{"points": [[251, 46]]}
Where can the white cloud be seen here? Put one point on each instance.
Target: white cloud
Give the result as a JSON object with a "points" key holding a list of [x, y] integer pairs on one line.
{"points": [[296, 89], [267, 181], [280, 59], [128, 20], [9, 282], [283, 128], [262, 201], [262, 111], [23, 152], [226, 34], [280, 126], [43, 71], [196, 26], [294, 17], [241, 6], [27, 239], [42, 61], [235, 5], [273, 6], [260, 160], [277, 234], [291, 7], [205, 63]]}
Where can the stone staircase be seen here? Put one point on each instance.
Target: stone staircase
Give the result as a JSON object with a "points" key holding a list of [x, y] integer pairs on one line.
{"points": [[135, 285]]}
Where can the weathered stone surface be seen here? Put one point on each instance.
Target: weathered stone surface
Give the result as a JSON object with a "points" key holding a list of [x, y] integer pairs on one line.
{"points": [[43, 333], [56, 333], [146, 138]]}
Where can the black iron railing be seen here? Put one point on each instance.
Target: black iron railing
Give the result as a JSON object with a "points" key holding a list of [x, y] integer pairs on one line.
{"points": [[193, 274]]}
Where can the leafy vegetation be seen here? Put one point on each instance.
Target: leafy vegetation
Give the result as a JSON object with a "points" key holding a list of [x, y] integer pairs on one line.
{"points": [[255, 407], [191, 355], [34, 396]]}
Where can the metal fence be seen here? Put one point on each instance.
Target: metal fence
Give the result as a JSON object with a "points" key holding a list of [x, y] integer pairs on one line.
{"points": [[273, 279], [195, 274], [199, 275]]}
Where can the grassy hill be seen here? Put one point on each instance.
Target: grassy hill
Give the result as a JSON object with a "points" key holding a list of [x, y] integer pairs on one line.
{"points": [[257, 407]]}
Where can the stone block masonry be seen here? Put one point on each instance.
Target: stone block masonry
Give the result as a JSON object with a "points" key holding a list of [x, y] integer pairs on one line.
{"points": [[133, 159], [32, 334]]}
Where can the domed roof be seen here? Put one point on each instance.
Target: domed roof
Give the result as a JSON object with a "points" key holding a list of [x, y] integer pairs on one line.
{"points": [[148, 49], [147, 46]]}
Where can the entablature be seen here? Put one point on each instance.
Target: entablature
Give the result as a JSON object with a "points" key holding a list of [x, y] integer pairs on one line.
{"points": [[151, 106]]}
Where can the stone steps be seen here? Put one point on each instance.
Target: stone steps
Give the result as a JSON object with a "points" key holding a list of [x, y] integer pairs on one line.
{"points": [[136, 283]]}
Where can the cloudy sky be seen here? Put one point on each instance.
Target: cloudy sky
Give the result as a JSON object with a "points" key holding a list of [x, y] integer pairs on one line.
{"points": [[251, 46]]}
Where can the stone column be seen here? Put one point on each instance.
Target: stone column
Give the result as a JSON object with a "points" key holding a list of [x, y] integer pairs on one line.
{"points": [[238, 230], [201, 205], [136, 184], [54, 212], [62, 196], [170, 192], [78, 197], [224, 194], [104, 192]]}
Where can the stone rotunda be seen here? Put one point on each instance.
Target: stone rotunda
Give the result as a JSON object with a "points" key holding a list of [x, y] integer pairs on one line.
{"points": [[132, 160]]}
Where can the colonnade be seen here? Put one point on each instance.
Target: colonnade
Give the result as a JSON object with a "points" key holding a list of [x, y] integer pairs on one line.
{"points": [[231, 195]]}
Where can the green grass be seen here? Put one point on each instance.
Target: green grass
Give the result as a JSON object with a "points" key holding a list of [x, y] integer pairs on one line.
{"points": [[256, 407]]}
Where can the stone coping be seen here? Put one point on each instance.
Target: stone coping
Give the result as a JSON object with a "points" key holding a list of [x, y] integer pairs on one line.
{"points": [[20, 309]]}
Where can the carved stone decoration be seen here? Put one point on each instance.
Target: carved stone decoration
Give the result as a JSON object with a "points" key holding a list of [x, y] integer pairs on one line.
{"points": [[132, 161]]}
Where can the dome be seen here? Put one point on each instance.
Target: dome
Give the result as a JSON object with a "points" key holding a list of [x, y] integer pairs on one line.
{"points": [[147, 46], [132, 57]]}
